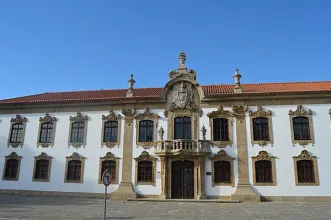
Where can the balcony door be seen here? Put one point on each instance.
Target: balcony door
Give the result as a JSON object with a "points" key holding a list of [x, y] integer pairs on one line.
{"points": [[182, 128]]}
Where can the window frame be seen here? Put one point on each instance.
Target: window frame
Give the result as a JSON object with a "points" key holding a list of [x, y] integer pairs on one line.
{"points": [[42, 156], [109, 157], [301, 112], [222, 156], [145, 156], [13, 121], [304, 155], [46, 119], [221, 113], [14, 156], [260, 113], [111, 117], [75, 156], [263, 155], [73, 119], [147, 115], [183, 125]]}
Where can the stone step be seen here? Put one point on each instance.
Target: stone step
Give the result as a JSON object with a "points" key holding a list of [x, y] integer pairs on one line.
{"points": [[185, 200]]}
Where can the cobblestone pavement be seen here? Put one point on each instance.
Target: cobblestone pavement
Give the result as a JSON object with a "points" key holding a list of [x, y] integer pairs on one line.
{"points": [[58, 208]]}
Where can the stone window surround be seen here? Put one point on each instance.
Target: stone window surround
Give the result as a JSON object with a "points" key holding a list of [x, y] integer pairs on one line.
{"points": [[145, 156], [304, 155], [78, 118], [111, 117], [299, 112], [46, 119], [146, 115], [220, 113], [263, 155], [222, 156], [75, 156], [109, 157], [42, 156], [13, 155], [260, 113], [17, 119]]}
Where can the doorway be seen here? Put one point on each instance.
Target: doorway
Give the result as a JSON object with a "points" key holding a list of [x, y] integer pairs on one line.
{"points": [[182, 180]]}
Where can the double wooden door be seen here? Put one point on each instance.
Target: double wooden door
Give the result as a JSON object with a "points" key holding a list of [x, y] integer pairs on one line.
{"points": [[182, 180]]}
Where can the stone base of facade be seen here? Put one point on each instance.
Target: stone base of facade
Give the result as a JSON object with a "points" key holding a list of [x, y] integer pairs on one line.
{"points": [[295, 198], [245, 193], [51, 193], [124, 192]]}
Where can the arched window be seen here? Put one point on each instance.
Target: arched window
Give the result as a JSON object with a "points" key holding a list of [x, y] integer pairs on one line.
{"points": [[145, 171], [263, 171], [183, 128], [260, 129], [42, 169], [110, 131], [306, 171], [109, 165], [77, 132], [146, 129], [301, 128], [220, 129], [74, 170], [46, 132], [222, 172], [16, 133]]}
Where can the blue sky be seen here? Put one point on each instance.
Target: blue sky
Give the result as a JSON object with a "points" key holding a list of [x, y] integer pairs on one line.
{"points": [[67, 45]]}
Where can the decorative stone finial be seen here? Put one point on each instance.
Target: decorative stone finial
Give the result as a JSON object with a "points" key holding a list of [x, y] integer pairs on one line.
{"points": [[204, 131], [131, 82], [161, 133], [182, 59], [237, 85]]}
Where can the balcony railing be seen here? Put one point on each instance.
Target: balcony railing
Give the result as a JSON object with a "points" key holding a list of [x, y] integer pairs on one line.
{"points": [[194, 146]]}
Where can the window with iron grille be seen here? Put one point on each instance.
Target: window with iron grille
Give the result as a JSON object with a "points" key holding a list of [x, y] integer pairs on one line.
{"points": [[77, 132], [16, 133], [222, 172], [260, 129], [146, 129], [145, 171], [11, 169], [109, 165], [110, 131], [263, 171], [183, 128], [41, 171], [305, 171], [301, 128], [74, 170], [220, 129], [46, 132]]}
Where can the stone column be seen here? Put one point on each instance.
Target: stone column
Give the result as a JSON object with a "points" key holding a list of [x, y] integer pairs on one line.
{"points": [[164, 177], [125, 190], [201, 179], [244, 191]]}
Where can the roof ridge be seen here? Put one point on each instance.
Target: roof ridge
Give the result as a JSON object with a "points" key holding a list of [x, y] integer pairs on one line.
{"points": [[98, 90]]}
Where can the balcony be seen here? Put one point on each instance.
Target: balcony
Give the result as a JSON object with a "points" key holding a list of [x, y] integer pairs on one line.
{"points": [[190, 147]]}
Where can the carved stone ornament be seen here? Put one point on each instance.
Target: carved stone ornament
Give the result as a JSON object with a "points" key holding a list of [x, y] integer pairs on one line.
{"points": [[14, 156], [203, 131], [263, 155], [75, 156], [129, 115], [219, 113], [182, 69], [221, 155], [146, 115], [304, 156], [111, 116], [43, 156], [79, 118], [109, 156], [161, 133], [262, 143], [145, 156], [239, 112], [47, 118], [18, 119], [300, 111], [181, 97], [260, 112]]}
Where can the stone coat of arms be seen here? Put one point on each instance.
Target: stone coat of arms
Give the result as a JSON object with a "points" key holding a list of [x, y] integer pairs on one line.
{"points": [[182, 96]]}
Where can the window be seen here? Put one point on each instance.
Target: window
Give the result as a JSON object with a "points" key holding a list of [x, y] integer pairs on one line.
{"points": [[17, 130], [11, 167], [222, 169], [145, 169], [111, 127], [264, 171], [109, 162], [42, 168], [305, 169], [46, 133], [221, 129], [183, 128], [146, 131], [110, 131], [301, 128], [301, 122], [109, 165], [74, 168], [77, 130], [261, 127]]}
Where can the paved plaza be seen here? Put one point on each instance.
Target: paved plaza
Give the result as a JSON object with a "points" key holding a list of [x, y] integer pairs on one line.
{"points": [[59, 208]]}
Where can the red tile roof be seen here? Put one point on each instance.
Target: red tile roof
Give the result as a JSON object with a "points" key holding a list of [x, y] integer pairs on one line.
{"points": [[155, 93]]}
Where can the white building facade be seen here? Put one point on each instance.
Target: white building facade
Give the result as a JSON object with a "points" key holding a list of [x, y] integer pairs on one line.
{"points": [[246, 142]]}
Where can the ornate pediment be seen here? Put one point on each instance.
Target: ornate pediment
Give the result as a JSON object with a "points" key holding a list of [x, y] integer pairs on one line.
{"points": [[47, 118], [263, 155], [75, 156], [221, 155], [260, 112], [147, 115], [219, 113], [43, 156], [145, 156], [14, 156], [182, 70], [18, 119], [300, 111], [239, 112], [109, 156], [111, 116], [129, 115], [304, 156], [79, 118]]}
